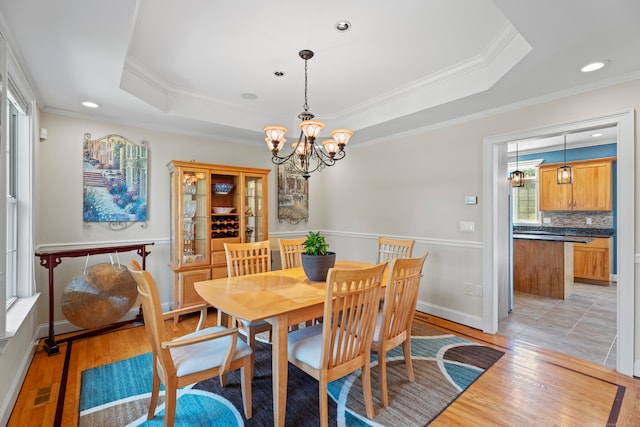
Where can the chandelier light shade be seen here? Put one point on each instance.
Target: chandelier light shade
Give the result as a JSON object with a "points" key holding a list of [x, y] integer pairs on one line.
{"points": [[517, 176], [307, 156], [565, 173]]}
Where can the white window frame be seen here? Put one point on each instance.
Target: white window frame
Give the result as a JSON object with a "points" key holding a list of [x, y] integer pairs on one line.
{"points": [[525, 165], [15, 87], [11, 227]]}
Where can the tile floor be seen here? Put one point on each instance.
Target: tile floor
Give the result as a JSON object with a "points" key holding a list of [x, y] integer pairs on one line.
{"points": [[582, 325]]}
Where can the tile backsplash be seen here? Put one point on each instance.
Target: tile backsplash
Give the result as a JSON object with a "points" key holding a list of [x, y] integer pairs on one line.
{"points": [[577, 219]]}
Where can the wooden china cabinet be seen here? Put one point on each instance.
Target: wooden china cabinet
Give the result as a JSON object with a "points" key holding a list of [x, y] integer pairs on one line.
{"points": [[211, 205]]}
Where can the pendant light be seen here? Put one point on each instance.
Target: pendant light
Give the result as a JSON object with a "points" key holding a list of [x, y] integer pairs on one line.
{"points": [[565, 173], [517, 177], [307, 156]]}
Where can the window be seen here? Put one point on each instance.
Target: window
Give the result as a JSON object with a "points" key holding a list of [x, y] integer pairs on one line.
{"points": [[12, 204], [17, 284], [524, 200]]}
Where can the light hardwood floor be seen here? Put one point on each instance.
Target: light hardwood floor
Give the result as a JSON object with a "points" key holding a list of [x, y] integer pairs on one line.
{"points": [[529, 385]]}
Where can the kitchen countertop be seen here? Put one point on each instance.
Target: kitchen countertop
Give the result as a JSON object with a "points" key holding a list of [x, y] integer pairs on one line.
{"points": [[552, 238], [564, 231]]}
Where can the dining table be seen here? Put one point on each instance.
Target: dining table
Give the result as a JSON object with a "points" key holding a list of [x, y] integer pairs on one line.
{"points": [[280, 297]]}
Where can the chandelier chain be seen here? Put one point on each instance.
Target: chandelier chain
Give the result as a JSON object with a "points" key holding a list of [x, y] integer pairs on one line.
{"points": [[306, 104]]}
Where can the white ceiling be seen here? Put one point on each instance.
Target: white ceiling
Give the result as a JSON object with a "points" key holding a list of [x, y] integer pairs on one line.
{"points": [[206, 67]]}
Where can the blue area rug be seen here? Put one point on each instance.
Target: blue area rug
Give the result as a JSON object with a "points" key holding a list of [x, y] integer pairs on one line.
{"points": [[444, 365]]}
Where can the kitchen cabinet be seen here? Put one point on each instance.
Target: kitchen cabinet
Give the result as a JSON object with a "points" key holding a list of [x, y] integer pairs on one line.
{"points": [[211, 205], [592, 261], [591, 189]]}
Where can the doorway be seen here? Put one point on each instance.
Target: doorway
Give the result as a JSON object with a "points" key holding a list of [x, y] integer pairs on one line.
{"points": [[582, 323], [497, 240]]}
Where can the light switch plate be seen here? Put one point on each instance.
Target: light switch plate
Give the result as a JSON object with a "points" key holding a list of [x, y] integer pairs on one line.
{"points": [[470, 200], [467, 226]]}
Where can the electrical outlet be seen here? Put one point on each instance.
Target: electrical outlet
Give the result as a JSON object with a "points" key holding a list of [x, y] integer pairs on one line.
{"points": [[478, 290], [589, 221], [468, 289]]}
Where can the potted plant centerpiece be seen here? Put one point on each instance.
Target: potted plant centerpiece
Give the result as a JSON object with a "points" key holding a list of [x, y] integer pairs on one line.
{"points": [[316, 260]]}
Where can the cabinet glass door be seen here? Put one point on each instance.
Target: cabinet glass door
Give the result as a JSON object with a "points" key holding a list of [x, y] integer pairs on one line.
{"points": [[254, 209], [194, 216]]}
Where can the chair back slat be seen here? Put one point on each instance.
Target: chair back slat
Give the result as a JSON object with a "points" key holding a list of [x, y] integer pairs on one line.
{"points": [[153, 320], [389, 249], [248, 258], [291, 251], [351, 305], [401, 296]]}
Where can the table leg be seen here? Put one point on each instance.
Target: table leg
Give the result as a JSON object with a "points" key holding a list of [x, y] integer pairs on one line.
{"points": [[225, 320], [279, 368]]}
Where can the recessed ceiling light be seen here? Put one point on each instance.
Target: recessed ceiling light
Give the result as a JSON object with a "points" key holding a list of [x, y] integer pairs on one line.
{"points": [[249, 96], [90, 104], [593, 66], [343, 25], [595, 135]]}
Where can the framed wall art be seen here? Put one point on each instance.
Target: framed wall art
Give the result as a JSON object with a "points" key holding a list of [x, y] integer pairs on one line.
{"points": [[114, 177], [293, 195]]}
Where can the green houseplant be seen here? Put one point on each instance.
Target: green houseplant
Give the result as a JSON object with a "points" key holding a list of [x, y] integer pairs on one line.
{"points": [[316, 259]]}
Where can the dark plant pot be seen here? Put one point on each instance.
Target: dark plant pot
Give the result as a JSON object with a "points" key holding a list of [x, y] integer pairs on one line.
{"points": [[317, 266]]}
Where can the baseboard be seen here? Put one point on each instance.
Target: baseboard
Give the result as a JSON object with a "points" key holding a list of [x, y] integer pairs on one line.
{"points": [[451, 315], [16, 385]]}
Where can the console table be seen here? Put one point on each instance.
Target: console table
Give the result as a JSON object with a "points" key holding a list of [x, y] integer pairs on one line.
{"points": [[50, 260]]}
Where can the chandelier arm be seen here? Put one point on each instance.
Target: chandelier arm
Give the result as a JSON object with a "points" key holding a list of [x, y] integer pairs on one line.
{"points": [[325, 158], [278, 160], [339, 155]]}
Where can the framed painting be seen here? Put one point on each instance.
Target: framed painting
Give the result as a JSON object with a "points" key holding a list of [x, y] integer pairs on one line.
{"points": [[114, 177], [293, 195]]}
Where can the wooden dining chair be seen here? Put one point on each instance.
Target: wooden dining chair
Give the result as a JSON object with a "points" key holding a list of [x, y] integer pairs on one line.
{"points": [[393, 325], [291, 251], [342, 345], [244, 259], [189, 359], [176, 313], [389, 249]]}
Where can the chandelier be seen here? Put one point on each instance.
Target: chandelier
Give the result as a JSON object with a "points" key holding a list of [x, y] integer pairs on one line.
{"points": [[307, 156]]}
